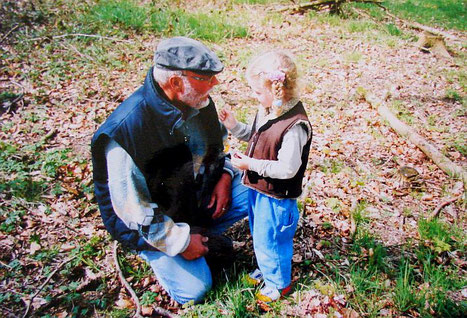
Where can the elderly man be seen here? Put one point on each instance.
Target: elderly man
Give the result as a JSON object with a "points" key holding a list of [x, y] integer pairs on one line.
{"points": [[160, 171]]}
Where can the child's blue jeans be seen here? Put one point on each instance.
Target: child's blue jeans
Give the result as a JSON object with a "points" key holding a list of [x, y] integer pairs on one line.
{"points": [[273, 223], [191, 280]]}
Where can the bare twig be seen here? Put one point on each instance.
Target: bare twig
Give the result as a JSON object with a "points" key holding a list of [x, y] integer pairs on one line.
{"points": [[28, 306], [5, 265], [438, 209], [79, 35], [164, 313], [77, 51], [160, 311], [8, 33], [125, 283]]}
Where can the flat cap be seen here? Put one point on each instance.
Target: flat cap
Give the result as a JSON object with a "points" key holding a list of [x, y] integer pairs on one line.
{"points": [[182, 53]]}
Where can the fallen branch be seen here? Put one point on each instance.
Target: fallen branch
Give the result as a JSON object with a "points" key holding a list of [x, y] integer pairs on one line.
{"points": [[333, 5], [158, 310], [78, 35], [8, 33], [438, 209], [28, 305], [125, 283], [162, 312], [404, 130]]}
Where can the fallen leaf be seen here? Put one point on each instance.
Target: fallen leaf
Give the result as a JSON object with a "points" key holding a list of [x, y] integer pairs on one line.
{"points": [[34, 247]]}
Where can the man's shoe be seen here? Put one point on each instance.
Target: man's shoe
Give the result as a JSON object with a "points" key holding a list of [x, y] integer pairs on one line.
{"points": [[268, 294], [221, 253], [254, 278]]}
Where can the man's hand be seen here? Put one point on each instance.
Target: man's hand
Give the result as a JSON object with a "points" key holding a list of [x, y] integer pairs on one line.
{"points": [[227, 118], [196, 248], [221, 196]]}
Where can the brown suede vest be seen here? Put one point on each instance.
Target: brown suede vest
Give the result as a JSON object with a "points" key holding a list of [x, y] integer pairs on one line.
{"points": [[265, 143]]}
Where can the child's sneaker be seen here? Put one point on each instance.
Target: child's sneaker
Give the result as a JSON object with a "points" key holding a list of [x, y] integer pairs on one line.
{"points": [[254, 278], [268, 294]]}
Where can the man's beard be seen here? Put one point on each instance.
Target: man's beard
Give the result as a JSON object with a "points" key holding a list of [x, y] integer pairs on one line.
{"points": [[191, 98]]}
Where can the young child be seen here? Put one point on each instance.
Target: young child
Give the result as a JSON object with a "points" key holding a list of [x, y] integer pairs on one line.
{"points": [[275, 160]]}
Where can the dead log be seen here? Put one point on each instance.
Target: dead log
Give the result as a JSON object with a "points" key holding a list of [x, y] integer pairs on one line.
{"points": [[404, 130], [334, 6]]}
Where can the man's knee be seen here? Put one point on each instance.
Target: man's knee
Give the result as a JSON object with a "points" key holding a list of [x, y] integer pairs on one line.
{"points": [[194, 291]]}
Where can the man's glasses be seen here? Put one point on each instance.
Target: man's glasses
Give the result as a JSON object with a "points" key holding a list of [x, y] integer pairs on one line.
{"points": [[210, 79]]}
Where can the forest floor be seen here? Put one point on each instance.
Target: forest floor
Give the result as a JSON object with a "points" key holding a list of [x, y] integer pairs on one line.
{"points": [[364, 246]]}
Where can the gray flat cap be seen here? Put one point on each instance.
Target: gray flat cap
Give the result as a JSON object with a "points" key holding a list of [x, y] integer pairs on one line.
{"points": [[182, 53]]}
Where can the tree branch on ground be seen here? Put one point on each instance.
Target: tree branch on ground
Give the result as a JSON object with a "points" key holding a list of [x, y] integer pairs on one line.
{"points": [[438, 209], [333, 6], [159, 311], [28, 305], [404, 130], [125, 283]]}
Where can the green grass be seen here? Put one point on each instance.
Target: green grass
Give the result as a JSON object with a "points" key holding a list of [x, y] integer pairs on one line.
{"points": [[213, 26], [233, 298], [447, 14], [411, 278]]}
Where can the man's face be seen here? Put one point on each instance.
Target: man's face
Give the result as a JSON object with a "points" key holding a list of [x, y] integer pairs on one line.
{"points": [[196, 89]]}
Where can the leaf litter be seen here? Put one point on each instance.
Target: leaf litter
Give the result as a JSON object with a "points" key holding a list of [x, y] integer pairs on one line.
{"points": [[354, 159]]}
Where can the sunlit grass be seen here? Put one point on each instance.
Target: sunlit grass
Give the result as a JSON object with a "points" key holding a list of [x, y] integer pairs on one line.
{"points": [[213, 26]]}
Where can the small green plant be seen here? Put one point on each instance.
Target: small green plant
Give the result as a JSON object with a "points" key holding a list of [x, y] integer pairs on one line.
{"points": [[120, 313], [360, 26], [392, 29], [405, 295], [453, 95], [334, 203], [148, 298], [402, 112], [331, 166], [353, 57], [11, 220], [359, 216], [437, 233], [458, 143]]}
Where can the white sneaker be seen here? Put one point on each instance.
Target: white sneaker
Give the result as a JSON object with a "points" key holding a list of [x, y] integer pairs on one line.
{"points": [[269, 294], [254, 278]]}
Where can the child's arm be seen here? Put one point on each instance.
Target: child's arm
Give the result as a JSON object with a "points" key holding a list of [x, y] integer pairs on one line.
{"points": [[288, 160], [239, 130]]}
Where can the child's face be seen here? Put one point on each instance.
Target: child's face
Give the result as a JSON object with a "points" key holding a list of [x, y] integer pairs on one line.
{"points": [[262, 94]]}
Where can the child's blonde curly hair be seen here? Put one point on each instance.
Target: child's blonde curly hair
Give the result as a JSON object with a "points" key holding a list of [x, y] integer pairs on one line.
{"points": [[275, 70]]}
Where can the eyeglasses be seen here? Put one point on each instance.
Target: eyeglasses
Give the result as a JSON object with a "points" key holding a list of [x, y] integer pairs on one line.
{"points": [[210, 79]]}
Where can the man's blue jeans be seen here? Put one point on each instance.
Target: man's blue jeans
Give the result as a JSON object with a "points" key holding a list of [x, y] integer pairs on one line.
{"points": [[272, 224], [191, 280]]}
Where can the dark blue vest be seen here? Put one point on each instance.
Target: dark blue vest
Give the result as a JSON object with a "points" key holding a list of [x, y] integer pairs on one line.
{"points": [[161, 144]]}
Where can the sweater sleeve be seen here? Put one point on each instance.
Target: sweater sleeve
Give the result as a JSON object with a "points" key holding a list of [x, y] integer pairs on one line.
{"points": [[131, 202], [241, 131], [289, 158]]}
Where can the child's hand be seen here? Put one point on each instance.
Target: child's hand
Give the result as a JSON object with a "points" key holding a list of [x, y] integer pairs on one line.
{"points": [[227, 118], [240, 161]]}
